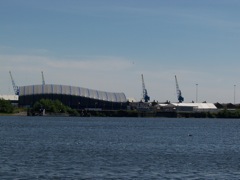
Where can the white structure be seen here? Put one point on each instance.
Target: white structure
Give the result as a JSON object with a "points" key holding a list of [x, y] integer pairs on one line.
{"points": [[189, 107], [9, 97], [194, 107], [131, 99]]}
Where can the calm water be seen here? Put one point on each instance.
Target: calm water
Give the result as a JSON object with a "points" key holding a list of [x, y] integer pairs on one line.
{"points": [[119, 148]]}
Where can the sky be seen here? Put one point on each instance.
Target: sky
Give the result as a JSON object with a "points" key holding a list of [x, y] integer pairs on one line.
{"points": [[106, 45]]}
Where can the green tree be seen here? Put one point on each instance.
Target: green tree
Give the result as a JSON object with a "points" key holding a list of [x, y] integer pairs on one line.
{"points": [[55, 106], [6, 106]]}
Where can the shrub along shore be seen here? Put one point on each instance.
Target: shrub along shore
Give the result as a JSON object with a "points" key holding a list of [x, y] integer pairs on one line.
{"points": [[46, 107]]}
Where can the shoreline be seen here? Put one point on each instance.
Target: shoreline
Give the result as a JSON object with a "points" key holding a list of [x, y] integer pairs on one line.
{"points": [[144, 114], [14, 114]]}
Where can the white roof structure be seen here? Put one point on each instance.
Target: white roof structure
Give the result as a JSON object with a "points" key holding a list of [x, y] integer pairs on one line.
{"points": [[131, 99], [9, 97], [71, 90], [197, 106]]}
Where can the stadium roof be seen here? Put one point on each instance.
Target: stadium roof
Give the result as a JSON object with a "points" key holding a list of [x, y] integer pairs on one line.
{"points": [[71, 90]]}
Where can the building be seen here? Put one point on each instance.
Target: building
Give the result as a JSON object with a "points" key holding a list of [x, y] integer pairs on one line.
{"points": [[74, 97], [188, 107]]}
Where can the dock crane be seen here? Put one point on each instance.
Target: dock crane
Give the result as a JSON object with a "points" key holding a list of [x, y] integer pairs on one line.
{"points": [[15, 88], [179, 93], [146, 98], [43, 81]]}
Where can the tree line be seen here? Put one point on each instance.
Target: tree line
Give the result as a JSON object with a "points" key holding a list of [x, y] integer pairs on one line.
{"points": [[53, 107], [6, 106], [57, 107]]}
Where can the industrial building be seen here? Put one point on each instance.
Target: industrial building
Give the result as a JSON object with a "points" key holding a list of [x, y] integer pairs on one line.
{"points": [[89, 99], [196, 107], [74, 97], [188, 107]]}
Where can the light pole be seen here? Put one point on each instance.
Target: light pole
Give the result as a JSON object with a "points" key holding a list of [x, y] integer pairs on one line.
{"points": [[234, 93], [196, 93]]}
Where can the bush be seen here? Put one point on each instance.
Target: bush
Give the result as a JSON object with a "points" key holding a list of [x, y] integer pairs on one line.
{"points": [[6, 106], [50, 106], [73, 112], [53, 106], [229, 114]]}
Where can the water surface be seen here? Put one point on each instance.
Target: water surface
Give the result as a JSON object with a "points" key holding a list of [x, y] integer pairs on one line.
{"points": [[119, 148]]}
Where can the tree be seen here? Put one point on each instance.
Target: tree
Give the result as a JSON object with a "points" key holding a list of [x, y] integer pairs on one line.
{"points": [[6, 106], [55, 106]]}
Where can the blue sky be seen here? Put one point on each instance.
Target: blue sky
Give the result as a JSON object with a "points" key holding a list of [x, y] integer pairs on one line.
{"points": [[107, 45]]}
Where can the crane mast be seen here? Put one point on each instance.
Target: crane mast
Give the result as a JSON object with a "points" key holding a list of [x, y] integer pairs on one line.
{"points": [[15, 88], [146, 98], [43, 81], [179, 93]]}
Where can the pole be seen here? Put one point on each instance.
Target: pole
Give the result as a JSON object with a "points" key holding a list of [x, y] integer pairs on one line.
{"points": [[196, 93], [234, 94]]}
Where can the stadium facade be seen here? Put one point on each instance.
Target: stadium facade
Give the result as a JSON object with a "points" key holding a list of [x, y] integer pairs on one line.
{"points": [[74, 97]]}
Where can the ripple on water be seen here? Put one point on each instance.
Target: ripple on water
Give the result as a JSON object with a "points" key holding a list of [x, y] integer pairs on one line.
{"points": [[70, 148]]}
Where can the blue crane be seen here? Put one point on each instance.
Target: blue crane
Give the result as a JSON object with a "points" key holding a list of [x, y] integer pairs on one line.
{"points": [[179, 93], [43, 81], [146, 98], [15, 88]]}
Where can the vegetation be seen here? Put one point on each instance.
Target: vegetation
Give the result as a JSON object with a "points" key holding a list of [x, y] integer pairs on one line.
{"points": [[53, 107], [6, 106], [228, 113], [58, 108]]}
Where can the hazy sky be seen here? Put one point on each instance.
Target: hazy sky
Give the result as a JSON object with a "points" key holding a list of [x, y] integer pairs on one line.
{"points": [[107, 45]]}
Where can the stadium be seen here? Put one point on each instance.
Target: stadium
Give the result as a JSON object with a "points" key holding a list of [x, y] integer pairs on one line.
{"points": [[74, 97]]}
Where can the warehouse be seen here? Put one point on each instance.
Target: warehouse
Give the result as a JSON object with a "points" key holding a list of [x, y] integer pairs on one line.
{"points": [[188, 107], [74, 97], [200, 107]]}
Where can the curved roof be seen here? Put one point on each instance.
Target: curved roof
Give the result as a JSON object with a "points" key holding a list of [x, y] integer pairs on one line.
{"points": [[71, 90]]}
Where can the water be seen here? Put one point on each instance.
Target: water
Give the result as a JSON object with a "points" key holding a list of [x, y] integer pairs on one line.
{"points": [[119, 148]]}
